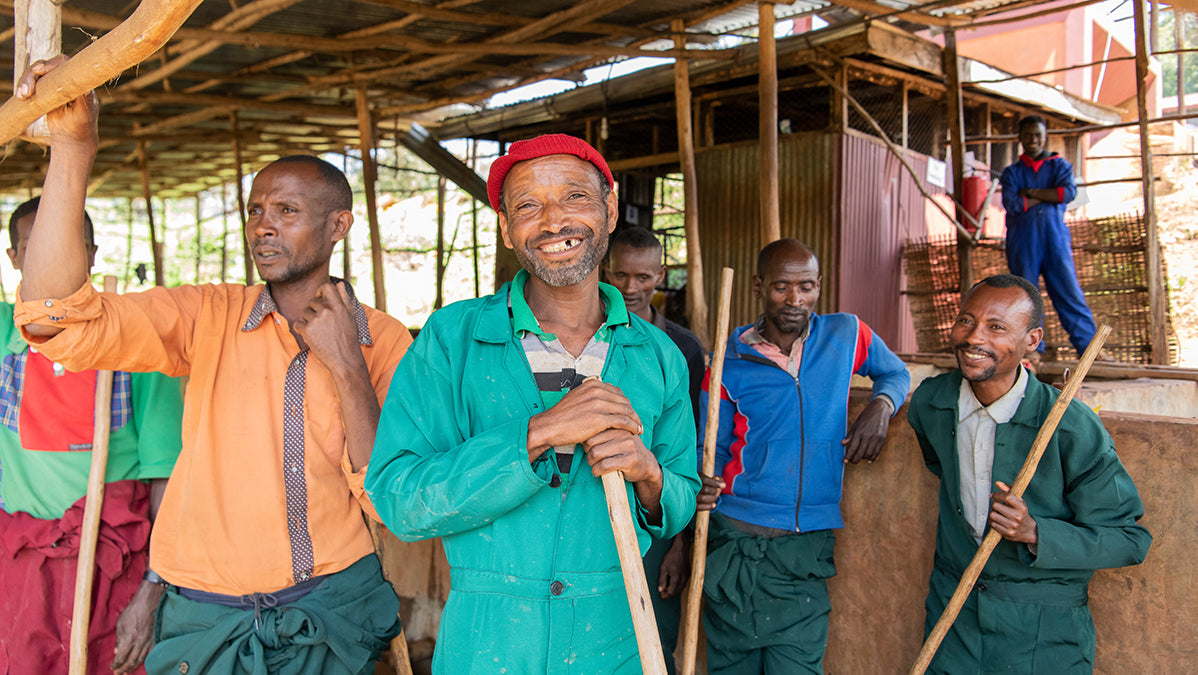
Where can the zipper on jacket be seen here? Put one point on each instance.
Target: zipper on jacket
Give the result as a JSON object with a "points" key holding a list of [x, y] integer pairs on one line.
{"points": [[802, 439]]}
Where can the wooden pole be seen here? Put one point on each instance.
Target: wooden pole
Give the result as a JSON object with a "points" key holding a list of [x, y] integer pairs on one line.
{"points": [[247, 255], [1157, 300], [37, 35], [439, 299], [767, 63], [474, 219], [128, 245], [956, 137], [199, 236], [643, 622], [696, 300], [369, 177], [347, 269], [1179, 34], [694, 590], [974, 570], [89, 531], [155, 248], [224, 233]]}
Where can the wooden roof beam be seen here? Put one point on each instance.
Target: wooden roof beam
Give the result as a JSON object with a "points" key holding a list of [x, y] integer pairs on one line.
{"points": [[870, 7], [209, 100]]}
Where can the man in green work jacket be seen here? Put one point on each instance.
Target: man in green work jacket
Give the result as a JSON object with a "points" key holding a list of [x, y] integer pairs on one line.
{"points": [[507, 410], [1028, 612]]}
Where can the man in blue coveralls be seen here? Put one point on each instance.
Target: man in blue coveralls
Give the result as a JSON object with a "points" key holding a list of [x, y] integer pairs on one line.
{"points": [[1035, 190]]}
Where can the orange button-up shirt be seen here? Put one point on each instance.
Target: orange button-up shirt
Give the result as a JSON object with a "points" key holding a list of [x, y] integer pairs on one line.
{"points": [[263, 495]]}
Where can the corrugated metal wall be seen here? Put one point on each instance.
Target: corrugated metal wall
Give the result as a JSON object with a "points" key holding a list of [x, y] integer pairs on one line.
{"points": [[730, 214], [881, 207]]}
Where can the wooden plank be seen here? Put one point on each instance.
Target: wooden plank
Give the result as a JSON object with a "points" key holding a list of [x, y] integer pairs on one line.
{"points": [[37, 26], [696, 298], [440, 295], [369, 176], [1157, 300], [767, 63]]}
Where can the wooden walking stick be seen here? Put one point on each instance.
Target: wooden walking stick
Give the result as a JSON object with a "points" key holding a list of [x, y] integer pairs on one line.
{"points": [[633, 567], [970, 577], [694, 590], [86, 567]]}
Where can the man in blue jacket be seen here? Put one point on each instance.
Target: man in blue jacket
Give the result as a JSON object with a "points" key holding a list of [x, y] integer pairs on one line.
{"points": [[780, 466], [1035, 191]]}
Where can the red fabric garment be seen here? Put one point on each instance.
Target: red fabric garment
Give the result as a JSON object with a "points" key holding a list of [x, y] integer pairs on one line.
{"points": [[64, 419], [37, 580]]}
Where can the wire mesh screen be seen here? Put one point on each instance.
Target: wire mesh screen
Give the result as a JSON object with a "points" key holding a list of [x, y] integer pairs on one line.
{"points": [[1110, 256]]}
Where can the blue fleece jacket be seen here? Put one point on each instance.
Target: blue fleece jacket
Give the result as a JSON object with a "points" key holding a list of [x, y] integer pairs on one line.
{"points": [[778, 448]]}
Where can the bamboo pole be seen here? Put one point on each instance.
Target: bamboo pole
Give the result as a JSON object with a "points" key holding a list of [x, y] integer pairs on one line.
{"points": [[89, 531], [694, 590], [1157, 307], [224, 236], [369, 177], [974, 570], [644, 624], [696, 300], [956, 136], [767, 62], [474, 219], [247, 255], [199, 235], [155, 249]]}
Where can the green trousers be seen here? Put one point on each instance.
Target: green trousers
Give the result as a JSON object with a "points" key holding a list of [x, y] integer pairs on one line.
{"points": [[341, 627], [767, 601]]}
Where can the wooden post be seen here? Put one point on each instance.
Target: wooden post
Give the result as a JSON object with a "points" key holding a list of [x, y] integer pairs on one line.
{"points": [[248, 256], [767, 63], [1156, 279], [224, 234], [1154, 27], [369, 177], [474, 218], [199, 236], [155, 247], [696, 300], [347, 268], [906, 94], [956, 138], [89, 531], [37, 35], [440, 297], [128, 246], [1179, 34]]}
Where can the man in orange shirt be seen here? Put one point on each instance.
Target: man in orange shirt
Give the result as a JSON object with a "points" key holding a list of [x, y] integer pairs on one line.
{"points": [[260, 539]]}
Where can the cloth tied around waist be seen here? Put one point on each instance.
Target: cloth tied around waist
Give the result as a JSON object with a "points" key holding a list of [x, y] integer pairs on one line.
{"points": [[734, 559]]}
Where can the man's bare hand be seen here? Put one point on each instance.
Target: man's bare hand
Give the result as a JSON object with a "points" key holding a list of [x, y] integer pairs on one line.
{"points": [[618, 450], [868, 433], [709, 493], [72, 124], [675, 568], [135, 629], [1009, 516], [328, 327], [585, 412]]}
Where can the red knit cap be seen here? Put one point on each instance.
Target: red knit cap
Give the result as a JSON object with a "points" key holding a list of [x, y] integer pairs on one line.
{"points": [[549, 144]]}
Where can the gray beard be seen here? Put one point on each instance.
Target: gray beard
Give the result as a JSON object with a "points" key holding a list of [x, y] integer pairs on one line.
{"points": [[560, 277]]}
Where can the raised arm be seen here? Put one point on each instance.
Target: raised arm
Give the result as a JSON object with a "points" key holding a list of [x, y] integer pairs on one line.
{"points": [[56, 258]]}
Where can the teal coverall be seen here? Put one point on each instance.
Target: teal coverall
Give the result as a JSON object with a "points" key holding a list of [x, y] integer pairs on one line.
{"points": [[536, 582]]}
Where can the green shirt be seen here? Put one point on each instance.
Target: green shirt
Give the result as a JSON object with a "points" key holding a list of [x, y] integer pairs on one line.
{"points": [[46, 484]]}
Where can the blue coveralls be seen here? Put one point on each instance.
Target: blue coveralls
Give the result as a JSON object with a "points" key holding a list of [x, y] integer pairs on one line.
{"points": [[1039, 243]]}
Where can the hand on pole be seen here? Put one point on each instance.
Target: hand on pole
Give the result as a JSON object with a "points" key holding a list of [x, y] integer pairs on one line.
{"points": [[709, 493], [1009, 516], [72, 124], [585, 412]]}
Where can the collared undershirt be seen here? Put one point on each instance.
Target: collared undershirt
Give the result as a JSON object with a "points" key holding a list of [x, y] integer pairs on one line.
{"points": [[556, 370], [788, 362], [976, 425]]}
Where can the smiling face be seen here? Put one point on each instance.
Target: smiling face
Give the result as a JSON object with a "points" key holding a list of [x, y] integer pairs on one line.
{"points": [[789, 288], [1033, 137], [290, 229], [990, 337], [636, 272], [556, 218]]}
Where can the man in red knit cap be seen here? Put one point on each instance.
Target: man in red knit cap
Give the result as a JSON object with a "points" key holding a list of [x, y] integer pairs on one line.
{"points": [[515, 395]]}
